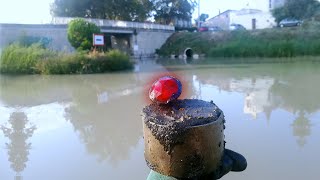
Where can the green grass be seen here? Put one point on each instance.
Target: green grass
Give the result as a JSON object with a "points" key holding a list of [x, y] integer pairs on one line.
{"points": [[269, 43], [34, 59], [277, 42], [179, 41]]}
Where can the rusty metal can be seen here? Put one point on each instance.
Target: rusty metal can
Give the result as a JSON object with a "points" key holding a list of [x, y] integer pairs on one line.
{"points": [[195, 151]]}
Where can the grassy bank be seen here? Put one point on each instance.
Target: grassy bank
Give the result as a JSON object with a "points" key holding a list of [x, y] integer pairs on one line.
{"points": [[34, 59], [278, 42]]}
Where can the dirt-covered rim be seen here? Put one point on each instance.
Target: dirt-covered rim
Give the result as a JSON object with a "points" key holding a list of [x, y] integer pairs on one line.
{"points": [[190, 127]]}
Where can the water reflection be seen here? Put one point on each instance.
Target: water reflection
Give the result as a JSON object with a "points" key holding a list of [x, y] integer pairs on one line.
{"points": [[18, 131], [256, 90], [108, 126], [102, 113], [301, 128], [103, 110], [268, 88]]}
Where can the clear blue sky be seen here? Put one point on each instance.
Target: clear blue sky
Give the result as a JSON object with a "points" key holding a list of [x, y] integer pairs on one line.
{"points": [[38, 11]]}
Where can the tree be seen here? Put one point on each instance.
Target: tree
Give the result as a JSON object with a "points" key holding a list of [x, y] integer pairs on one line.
{"points": [[70, 8], [299, 9], [127, 10], [80, 34], [167, 11], [280, 13], [202, 18]]}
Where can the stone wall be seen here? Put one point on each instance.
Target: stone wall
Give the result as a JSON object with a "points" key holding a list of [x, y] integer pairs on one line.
{"points": [[57, 34], [145, 42], [148, 41]]}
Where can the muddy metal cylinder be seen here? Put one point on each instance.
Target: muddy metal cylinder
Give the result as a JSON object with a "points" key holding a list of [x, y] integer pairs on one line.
{"points": [[183, 139]]}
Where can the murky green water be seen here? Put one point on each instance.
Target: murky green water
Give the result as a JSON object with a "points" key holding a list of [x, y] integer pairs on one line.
{"points": [[89, 126]]}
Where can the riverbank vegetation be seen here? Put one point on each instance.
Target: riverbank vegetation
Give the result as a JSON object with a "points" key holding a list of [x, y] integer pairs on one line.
{"points": [[28, 56], [34, 59], [276, 42]]}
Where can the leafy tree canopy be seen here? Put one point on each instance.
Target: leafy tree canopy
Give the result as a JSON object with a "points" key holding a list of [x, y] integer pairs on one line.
{"points": [[163, 11], [80, 34], [127, 10], [299, 9], [202, 18], [166, 11]]}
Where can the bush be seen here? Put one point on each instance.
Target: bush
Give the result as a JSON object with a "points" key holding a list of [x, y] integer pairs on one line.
{"points": [[23, 60], [62, 64], [80, 34], [117, 61], [17, 59]]}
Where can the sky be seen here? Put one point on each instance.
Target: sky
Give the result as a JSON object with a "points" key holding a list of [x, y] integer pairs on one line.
{"points": [[38, 11]]}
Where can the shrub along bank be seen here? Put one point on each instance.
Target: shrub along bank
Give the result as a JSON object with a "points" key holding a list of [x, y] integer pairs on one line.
{"points": [[34, 59], [286, 42]]}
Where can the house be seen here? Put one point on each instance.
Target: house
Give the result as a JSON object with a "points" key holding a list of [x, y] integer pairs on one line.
{"points": [[253, 19], [222, 20], [249, 18]]}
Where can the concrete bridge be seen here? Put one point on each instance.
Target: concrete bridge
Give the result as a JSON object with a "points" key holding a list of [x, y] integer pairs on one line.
{"points": [[137, 39]]}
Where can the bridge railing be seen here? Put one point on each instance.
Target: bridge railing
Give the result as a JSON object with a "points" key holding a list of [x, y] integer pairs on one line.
{"points": [[118, 24]]}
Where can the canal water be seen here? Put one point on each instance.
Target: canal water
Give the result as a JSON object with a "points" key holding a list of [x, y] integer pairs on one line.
{"points": [[83, 127]]}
